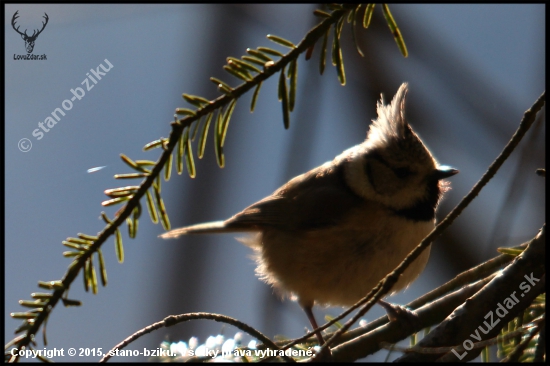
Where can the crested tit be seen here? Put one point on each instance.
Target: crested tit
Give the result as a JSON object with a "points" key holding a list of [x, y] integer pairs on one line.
{"points": [[330, 235]]}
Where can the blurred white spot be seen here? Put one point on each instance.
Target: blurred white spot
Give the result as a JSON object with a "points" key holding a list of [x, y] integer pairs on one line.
{"points": [[201, 350], [210, 342], [180, 347], [228, 346], [238, 337], [93, 170], [252, 344], [193, 342]]}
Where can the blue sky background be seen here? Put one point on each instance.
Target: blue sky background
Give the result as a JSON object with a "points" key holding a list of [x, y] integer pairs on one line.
{"points": [[472, 71]]}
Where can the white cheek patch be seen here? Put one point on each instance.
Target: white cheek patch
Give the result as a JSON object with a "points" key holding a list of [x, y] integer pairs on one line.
{"points": [[354, 171]]}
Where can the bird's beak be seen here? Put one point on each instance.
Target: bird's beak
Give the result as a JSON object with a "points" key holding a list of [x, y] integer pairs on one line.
{"points": [[443, 172]]}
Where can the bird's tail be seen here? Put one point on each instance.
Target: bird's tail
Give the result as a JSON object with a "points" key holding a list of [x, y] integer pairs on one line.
{"points": [[208, 227]]}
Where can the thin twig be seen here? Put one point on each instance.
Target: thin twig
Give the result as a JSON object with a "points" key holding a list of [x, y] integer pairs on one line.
{"points": [[175, 319]]}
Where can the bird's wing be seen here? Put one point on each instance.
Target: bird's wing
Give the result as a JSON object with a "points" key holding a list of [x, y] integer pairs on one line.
{"points": [[309, 201]]}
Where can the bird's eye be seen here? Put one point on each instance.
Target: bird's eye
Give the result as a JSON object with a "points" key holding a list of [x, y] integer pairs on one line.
{"points": [[402, 172]]}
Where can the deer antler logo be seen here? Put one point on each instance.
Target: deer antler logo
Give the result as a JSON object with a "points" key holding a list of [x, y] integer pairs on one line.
{"points": [[29, 40]]}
